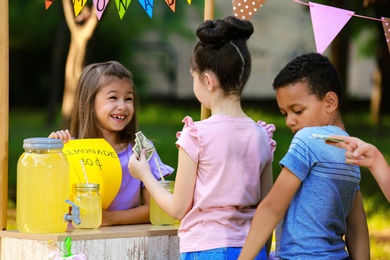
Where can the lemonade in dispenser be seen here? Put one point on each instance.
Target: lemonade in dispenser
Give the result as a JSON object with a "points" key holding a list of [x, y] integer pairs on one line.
{"points": [[42, 187]]}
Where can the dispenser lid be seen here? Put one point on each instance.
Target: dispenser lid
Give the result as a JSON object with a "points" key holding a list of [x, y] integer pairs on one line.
{"points": [[42, 143]]}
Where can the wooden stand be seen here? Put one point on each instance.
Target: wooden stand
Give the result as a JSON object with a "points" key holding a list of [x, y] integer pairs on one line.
{"points": [[116, 242]]}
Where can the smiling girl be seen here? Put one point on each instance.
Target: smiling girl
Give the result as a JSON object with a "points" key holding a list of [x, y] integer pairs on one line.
{"points": [[105, 107]]}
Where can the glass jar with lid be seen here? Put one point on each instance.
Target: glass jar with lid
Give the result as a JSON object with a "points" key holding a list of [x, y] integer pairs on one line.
{"points": [[89, 201], [158, 216], [42, 186]]}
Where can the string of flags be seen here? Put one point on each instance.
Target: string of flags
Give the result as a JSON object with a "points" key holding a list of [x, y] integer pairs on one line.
{"points": [[121, 5], [244, 9], [327, 21]]}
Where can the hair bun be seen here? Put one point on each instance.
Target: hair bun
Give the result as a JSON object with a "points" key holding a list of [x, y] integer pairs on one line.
{"points": [[216, 33], [212, 32], [239, 28]]}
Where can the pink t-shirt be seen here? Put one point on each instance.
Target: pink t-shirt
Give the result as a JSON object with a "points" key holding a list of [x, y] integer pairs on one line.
{"points": [[231, 153]]}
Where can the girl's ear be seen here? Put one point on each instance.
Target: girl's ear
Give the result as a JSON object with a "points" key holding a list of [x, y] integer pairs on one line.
{"points": [[331, 101], [210, 81]]}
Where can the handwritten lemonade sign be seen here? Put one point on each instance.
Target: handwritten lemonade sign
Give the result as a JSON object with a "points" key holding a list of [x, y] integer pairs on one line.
{"points": [[95, 161]]}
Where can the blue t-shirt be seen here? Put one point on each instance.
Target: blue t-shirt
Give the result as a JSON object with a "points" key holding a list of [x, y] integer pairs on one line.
{"points": [[315, 222]]}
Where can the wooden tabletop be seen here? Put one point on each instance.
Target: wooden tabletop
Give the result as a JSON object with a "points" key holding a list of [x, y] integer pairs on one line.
{"points": [[143, 230]]}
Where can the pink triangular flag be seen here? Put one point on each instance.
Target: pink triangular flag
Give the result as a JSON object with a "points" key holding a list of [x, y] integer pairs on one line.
{"points": [[48, 3], [171, 4], [244, 9], [327, 23], [386, 28], [100, 7]]}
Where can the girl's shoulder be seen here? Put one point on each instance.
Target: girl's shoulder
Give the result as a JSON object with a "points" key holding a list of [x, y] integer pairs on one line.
{"points": [[269, 128], [189, 126]]}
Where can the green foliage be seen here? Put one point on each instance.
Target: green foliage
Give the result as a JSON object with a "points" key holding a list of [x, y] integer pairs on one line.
{"points": [[161, 122]]}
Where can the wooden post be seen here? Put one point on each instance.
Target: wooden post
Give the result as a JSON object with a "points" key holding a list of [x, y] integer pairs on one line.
{"points": [[208, 15], [4, 101]]}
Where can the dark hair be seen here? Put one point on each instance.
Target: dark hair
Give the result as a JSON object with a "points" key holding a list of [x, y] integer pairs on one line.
{"points": [[222, 49], [314, 69], [92, 78]]}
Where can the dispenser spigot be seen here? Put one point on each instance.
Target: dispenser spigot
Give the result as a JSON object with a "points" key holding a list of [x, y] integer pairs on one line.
{"points": [[74, 213]]}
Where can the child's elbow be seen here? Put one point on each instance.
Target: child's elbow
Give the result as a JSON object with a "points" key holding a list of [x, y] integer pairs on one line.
{"points": [[179, 214]]}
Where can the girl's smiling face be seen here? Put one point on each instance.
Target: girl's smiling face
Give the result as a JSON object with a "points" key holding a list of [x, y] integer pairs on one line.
{"points": [[302, 109], [114, 105]]}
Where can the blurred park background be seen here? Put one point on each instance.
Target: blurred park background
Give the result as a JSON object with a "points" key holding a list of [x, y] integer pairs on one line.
{"points": [[157, 50]]}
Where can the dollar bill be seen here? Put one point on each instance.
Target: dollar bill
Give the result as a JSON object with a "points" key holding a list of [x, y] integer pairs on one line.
{"points": [[141, 142], [327, 138]]}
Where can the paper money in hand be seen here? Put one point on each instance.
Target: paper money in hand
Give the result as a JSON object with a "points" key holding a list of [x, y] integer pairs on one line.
{"points": [[327, 138], [141, 142]]}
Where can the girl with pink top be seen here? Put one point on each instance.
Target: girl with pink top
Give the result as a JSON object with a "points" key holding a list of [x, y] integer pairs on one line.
{"points": [[225, 161]]}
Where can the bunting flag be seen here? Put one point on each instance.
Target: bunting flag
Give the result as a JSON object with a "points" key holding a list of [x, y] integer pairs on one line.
{"points": [[245, 9], [100, 7], [122, 6], [327, 23], [78, 5], [48, 3], [171, 4], [148, 6], [386, 28]]}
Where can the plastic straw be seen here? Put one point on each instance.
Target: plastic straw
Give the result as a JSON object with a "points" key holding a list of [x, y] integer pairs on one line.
{"points": [[85, 173], [159, 170]]}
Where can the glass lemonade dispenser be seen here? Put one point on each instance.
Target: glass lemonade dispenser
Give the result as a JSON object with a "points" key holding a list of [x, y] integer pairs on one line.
{"points": [[42, 187]]}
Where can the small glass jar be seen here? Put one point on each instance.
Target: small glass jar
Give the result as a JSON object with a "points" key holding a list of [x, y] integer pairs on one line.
{"points": [[89, 201], [158, 216]]}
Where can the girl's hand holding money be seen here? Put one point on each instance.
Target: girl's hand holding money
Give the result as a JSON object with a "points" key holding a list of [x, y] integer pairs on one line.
{"points": [[139, 166]]}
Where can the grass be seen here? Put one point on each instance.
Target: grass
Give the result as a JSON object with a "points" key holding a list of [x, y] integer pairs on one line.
{"points": [[160, 122]]}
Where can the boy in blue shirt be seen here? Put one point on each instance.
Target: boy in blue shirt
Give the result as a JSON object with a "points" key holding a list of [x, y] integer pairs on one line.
{"points": [[316, 199]]}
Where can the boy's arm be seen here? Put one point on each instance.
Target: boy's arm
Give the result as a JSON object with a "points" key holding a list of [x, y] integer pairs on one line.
{"points": [[357, 238], [269, 213]]}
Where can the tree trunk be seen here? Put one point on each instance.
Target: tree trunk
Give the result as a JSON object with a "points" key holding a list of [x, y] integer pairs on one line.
{"points": [[376, 96], [57, 72], [383, 60], [81, 30], [340, 50], [381, 77]]}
